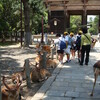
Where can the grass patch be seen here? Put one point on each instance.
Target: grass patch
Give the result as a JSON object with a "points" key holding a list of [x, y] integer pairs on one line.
{"points": [[8, 43]]}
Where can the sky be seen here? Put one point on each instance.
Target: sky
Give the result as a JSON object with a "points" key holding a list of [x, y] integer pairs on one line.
{"points": [[90, 16]]}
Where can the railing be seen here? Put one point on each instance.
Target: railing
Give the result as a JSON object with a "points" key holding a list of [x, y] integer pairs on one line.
{"points": [[37, 38]]}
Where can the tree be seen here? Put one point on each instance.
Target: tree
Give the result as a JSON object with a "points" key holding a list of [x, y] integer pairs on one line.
{"points": [[94, 23], [75, 22], [37, 11], [8, 20], [27, 22]]}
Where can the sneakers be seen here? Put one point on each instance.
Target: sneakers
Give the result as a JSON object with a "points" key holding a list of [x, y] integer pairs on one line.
{"points": [[68, 61], [86, 63], [81, 64], [60, 62]]}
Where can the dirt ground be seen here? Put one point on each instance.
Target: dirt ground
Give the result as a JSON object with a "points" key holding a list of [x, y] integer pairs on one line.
{"points": [[12, 60]]}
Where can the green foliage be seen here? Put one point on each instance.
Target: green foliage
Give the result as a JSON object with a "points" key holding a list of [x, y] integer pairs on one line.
{"points": [[10, 16], [8, 20], [37, 11], [94, 23], [75, 22]]}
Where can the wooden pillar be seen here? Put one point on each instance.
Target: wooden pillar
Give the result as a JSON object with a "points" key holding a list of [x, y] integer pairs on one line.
{"points": [[99, 23], [65, 21], [44, 60], [84, 18], [27, 70], [52, 54], [68, 20]]}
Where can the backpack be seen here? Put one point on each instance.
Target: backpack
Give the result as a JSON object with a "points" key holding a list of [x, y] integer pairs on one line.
{"points": [[62, 45], [78, 42], [69, 40]]}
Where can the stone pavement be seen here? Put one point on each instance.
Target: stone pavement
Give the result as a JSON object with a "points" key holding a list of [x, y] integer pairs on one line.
{"points": [[71, 81]]}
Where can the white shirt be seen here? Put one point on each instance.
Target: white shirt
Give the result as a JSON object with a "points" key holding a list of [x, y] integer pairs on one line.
{"points": [[66, 38], [73, 40], [57, 42]]}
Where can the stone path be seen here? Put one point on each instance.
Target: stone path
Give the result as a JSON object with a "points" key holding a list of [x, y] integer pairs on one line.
{"points": [[71, 81]]}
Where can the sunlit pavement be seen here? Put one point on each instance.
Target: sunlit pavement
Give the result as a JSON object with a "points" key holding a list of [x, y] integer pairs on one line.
{"points": [[72, 81]]}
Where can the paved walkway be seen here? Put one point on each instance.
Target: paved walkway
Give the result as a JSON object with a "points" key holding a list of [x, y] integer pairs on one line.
{"points": [[71, 81]]}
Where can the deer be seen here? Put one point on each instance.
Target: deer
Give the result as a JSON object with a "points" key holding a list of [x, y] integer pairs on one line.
{"points": [[96, 69], [51, 63], [12, 91], [45, 48], [21, 74], [39, 74], [93, 42]]}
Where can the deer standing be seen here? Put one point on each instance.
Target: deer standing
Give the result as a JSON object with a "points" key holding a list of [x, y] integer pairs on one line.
{"points": [[96, 68]]}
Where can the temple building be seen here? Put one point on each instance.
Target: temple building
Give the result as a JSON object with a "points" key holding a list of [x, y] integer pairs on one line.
{"points": [[59, 12]]}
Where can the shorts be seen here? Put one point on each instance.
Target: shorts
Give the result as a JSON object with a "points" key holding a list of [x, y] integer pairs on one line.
{"points": [[67, 50], [60, 51], [73, 48]]}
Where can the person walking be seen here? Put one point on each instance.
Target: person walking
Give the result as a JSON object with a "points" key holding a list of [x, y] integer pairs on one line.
{"points": [[68, 40], [85, 46], [60, 51], [78, 44], [73, 46]]}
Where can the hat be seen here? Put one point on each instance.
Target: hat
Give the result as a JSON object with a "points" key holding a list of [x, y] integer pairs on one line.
{"points": [[71, 34], [80, 32], [65, 33]]}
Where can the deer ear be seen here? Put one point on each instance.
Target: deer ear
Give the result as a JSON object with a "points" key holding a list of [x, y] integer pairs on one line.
{"points": [[5, 83], [19, 82]]}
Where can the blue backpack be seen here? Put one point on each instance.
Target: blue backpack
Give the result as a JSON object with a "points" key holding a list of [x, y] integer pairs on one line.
{"points": [[62, 45], [78, 42], [69, 40]]}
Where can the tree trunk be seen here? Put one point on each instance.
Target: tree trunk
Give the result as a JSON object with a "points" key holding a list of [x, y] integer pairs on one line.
{"points": [[27, 23]]}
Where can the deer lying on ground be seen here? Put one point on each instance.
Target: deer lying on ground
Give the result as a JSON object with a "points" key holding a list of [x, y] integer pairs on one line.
{"points": [[51, 63], [11, 92], [38, 74], [96, 68], [38, 59]]}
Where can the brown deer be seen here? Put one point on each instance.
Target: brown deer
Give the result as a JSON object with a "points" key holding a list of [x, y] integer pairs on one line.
{"points": [[21, 74], [51, 63], [11, 92], [96, 68], [93, 43], [38, 74]]}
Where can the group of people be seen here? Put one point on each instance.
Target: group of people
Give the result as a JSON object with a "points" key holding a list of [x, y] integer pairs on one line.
{"points": [[80, 43]]}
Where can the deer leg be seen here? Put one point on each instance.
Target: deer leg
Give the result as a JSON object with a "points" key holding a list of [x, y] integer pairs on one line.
{"points": [[95, 77]]}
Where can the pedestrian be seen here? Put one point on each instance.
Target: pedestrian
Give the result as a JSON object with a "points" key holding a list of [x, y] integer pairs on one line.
{"points": [[60, 51], [78, 44], [68, 41], [85, 46], [73, 46]]}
